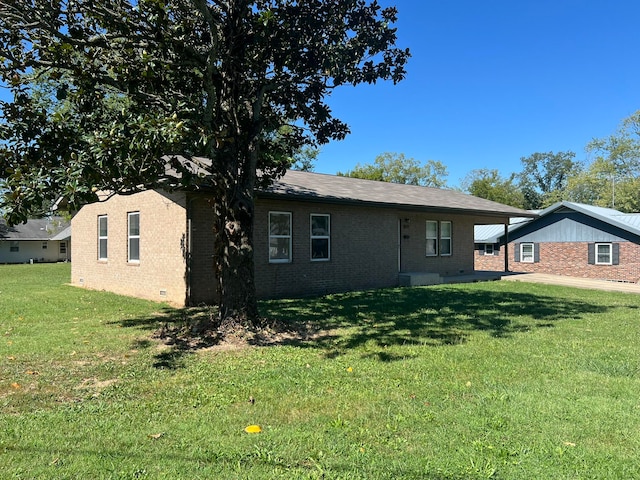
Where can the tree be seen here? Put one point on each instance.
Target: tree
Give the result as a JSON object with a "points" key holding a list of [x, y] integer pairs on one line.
{"points": [[545, 176], [141, 82], [485, 183], [396, 168]]}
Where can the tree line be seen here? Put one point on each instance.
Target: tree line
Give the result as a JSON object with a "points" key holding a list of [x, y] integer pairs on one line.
{"points": [[608, 177]]}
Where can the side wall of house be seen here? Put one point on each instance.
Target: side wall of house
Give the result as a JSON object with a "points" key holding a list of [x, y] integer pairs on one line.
{"points": [[31, 251], [566, 258], [160, 272], [201, 270], [368, 248]]}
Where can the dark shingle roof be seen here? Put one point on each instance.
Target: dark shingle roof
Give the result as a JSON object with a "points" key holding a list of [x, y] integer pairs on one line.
{"points": [[320, 187], [330, 188], [34, 229]]}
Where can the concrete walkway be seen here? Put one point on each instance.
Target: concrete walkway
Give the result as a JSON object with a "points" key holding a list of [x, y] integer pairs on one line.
{"points": [[572, 282]]}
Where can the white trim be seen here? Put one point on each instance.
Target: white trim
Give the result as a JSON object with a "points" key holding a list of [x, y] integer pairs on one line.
{"points": [[522, 255], [491, 248], [103, 255], [132, 236], [320, 237], [433, 237], [610, 254], [277, 237], [449, 238]]}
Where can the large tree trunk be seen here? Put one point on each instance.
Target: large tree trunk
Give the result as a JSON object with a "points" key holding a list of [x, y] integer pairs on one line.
{"points": [[234, 261]]}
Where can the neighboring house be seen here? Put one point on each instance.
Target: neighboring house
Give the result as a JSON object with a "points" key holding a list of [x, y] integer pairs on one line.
{"points": [[313, 234], [38, 240], [567, 238]]}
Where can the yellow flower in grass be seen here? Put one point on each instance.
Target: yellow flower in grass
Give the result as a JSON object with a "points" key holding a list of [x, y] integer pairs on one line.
{"points": [[253, 429], [349, 369]]}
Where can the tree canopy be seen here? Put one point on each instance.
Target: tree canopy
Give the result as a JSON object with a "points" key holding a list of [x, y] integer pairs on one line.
{"points": [[396, 168], [489, 184], [135, 83]]}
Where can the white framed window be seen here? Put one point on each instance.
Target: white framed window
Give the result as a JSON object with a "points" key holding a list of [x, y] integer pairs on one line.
{"points": [[488, 249], [45, 245], [63, 248], [526, 252], [432, 238], [279, 237], [604, 254], [103, 236], [320, 237], [445, 238], [14, 246], [133, 246]]}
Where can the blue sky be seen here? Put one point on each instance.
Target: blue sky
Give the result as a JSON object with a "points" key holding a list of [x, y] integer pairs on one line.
{"points": [[492, 81]]}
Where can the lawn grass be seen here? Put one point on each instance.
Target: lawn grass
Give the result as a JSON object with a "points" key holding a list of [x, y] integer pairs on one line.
{"points": [[503, 380]]}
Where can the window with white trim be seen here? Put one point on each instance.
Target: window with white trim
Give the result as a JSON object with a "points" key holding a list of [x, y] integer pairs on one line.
{"points": [[320, 237], [527, 252], [445, 238], [133, 246], [604, 254], [102, 237], [279, 237], [45, 245], [14, 246], [488, 249], [63, 247], [432, 238]]}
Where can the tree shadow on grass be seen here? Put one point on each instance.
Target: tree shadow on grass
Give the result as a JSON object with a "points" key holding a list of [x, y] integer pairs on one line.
{"points": [[429, 316], [335, 324]]}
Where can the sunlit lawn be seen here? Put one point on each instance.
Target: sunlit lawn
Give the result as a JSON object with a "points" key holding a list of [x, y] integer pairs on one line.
{"points": [[504, 380]]}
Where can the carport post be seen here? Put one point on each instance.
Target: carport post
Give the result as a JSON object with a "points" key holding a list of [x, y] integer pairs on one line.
{"points": [[506, 247]]}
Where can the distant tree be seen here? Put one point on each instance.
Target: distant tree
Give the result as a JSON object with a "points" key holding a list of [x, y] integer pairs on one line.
{"points": [[396, 168], [136, 81], [545, 177], [612, 179], [485, 183], [305, 159]]}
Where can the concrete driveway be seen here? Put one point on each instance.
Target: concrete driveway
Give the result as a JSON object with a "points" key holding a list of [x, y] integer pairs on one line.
{"points": [[572, 282]]}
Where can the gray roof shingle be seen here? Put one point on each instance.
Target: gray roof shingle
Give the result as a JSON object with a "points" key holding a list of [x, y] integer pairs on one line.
{"points": [[34, 229]]}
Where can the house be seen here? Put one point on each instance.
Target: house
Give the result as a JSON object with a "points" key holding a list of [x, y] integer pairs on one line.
{"points": [[313, 234], [37, 240], [567, 238]]}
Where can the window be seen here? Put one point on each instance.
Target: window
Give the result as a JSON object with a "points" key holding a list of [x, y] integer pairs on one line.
{"points": [[445, 238], [279, 237], [604, 254], [488, 249], [526, 252], [134, 237], [320, 237], [102, 237], [432, 238], [63, 248], [45, 245], [14, 246]]}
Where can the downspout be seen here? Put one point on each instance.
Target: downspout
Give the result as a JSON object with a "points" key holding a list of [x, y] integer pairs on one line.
{"points": [[188, 247]]}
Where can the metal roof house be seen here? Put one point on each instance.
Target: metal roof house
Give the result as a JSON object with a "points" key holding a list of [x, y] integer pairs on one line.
{"points": [[567, 238], [38, 240], [313, 234]]}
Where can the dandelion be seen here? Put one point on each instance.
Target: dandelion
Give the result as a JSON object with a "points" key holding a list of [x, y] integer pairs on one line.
{"points": [[349, 369]]}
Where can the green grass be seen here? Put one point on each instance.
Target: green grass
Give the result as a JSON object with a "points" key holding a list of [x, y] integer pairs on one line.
{"points": [[503, 380]]}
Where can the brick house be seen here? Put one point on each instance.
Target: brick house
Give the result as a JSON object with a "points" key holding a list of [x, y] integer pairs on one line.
{"points": [[39, 240], [567, 238], [313, 234]]}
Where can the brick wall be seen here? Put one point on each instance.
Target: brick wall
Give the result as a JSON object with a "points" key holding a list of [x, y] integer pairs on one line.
{"points": [[569, 259], [364, 249], [160, 274]]}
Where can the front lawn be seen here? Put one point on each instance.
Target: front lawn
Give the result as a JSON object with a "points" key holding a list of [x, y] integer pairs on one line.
{"points": [[504, 380]]}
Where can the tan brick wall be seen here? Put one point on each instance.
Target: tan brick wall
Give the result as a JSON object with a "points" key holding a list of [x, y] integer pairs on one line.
{"points": [[160, 274], [569, 259]]}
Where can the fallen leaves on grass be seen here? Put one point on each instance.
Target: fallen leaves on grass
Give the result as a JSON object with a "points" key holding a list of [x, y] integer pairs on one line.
{"points": [[253, 429], [155, 436]]}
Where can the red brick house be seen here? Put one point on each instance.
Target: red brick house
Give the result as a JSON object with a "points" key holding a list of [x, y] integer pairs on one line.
{"points": [[314, 234], [567, 238]]}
